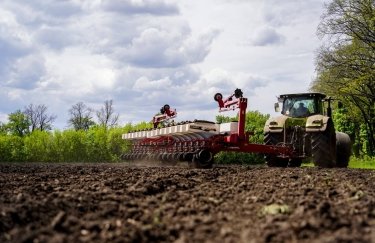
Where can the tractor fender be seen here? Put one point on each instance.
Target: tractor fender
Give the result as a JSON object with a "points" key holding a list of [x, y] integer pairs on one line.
{"points": [[317, 123], [275, 124]]}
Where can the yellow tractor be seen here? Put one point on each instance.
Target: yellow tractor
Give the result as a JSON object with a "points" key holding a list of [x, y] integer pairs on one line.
{"points": [[306, 125]]}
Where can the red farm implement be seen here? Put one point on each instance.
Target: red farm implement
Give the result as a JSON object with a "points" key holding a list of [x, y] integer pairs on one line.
{"points": [[198, 141]]}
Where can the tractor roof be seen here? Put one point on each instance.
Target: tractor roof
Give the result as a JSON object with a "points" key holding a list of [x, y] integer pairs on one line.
{"points": [[319, 95]]}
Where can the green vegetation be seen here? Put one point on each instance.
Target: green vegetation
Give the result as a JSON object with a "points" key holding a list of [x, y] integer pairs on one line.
{"points": [[97, 144], [102, 144], [27, 137], [357, 163], [346, 70], [18, 124], [254, 123], [362, 163]]}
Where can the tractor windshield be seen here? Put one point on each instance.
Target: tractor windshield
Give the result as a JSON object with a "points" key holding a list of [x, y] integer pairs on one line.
{"points": [[301, 106]]}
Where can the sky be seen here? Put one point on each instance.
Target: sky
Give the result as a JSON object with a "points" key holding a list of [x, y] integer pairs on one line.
{"points": [[143, 54]]}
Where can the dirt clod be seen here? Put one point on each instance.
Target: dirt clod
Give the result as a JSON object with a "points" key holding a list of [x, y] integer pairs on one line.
{"points": [[123, 203]]}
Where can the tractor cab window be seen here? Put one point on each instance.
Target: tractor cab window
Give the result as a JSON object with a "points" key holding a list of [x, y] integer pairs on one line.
{"points": [[300, 106]]}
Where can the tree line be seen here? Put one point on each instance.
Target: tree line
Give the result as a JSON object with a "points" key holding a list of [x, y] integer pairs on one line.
{"points": [[346, 68], [28, 135], [36, 117], [100, 143]]}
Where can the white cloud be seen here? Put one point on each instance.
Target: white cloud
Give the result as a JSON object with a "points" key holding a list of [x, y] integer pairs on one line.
{"points": [[145, 53], [144, 84], [78, 71], [11, 31], [26, 71], [158, 48], [266, 37], [153, 7]]}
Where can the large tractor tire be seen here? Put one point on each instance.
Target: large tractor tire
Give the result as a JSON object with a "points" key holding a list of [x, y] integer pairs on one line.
{"points": [[271, 159], [324, 147], [343, 149]]}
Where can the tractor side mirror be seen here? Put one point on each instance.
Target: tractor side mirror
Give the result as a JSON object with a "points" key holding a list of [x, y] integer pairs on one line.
{"points": [[277, 107]]}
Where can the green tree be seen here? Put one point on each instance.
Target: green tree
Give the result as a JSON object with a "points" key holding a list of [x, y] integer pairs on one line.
{"points": [[3, 129], [223, 119], [18, 123], [142, 126], [346, 64], [254, 124]]}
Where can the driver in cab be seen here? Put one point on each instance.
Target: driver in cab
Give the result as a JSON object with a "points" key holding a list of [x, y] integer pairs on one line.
{"points": [[302, 111]]}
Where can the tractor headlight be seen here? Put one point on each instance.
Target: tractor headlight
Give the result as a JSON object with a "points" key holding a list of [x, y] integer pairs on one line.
{"points": [[274, 125], [315, 123]]}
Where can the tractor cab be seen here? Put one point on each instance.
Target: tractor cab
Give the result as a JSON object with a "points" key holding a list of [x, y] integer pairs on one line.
{"points": [[301, 105]]}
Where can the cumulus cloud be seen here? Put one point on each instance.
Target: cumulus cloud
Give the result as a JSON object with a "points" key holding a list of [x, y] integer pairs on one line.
{"points": [[153, 7], [143, 83], [161, 48], [15, 40], [289, 12], [224, 80], [78, 72], [26, 72], [266, 37]]}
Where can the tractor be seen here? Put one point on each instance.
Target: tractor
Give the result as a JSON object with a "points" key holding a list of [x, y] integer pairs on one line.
{"points": [[306, 125]]}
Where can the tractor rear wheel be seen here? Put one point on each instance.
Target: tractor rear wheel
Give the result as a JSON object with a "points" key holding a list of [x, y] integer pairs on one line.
{"points": [[271, 159], [343, 149], [323, 145]]}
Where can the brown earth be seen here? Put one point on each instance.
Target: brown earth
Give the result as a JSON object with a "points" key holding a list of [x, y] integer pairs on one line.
{"points": [[124, 203]]}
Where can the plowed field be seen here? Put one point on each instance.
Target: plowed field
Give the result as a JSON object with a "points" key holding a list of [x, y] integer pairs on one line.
{"points": [[127, 203]]}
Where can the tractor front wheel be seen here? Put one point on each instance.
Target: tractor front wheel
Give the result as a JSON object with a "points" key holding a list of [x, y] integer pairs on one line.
{"points": [[324, 147], [271, 159]]}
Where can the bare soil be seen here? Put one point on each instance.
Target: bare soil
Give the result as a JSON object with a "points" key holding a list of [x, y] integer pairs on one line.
{"points": [[125, 203]]}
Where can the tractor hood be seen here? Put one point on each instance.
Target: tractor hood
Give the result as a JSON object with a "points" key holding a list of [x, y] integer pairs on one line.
{"points": [[312, 123], [277, 124]]}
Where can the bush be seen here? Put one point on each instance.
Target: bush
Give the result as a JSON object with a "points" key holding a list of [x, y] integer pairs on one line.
{"points": [[96, 145], [239, 158], [5, 149], [37, 146], [99, 144], [11, 148], [254, 123], [117, 146]]}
